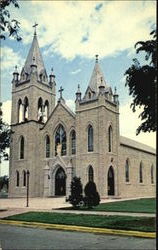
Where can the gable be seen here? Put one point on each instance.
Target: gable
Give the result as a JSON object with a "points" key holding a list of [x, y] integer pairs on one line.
{"points": [[60, 114]]}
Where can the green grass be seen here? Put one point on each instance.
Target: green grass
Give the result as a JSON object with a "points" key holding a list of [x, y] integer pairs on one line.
{"points": [[115, 222], [145, 205]]}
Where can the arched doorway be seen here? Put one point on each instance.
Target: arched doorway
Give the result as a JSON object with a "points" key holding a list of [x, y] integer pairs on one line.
{"points": [[60, 182], [111, 181]]}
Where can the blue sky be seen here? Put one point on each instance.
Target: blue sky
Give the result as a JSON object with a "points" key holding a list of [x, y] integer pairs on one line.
{"points": [[70, 34]]}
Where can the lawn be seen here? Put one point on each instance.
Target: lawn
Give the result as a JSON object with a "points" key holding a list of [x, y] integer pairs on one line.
{"points": [[114, 222], [145, 205]]}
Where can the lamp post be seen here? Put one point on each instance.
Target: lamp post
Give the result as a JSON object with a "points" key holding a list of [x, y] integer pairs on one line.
{"points": [[27, 194]]}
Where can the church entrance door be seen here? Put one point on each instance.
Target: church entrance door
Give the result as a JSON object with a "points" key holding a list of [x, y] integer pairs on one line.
{"points": [[60, 182], [111, 182]]}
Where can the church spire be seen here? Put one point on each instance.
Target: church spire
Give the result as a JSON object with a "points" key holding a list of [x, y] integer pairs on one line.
{"points": [[34, 52], [96, 77]]}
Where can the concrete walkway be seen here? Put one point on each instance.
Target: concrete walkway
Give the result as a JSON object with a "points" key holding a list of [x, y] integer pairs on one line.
{"points": [[12, 206], [46, 203]]}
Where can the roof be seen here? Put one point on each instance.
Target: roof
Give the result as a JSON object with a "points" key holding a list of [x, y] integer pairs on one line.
{"points": [[62, 103], [67, 108], [137, 145], [35, 53], [97, 78]]}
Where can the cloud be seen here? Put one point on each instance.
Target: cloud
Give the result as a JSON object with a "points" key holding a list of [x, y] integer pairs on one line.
{"points": [[66, 23], [6, 109], [9, 59], [86, 28], [75, 72], [129, 122]]}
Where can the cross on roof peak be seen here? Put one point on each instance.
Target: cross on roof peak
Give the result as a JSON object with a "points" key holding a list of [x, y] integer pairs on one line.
{"points": [[34, 26], [60, 91]]}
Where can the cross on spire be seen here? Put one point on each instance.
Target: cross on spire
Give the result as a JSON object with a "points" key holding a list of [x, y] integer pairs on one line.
{"points": [[60, 91], [34, 26]]}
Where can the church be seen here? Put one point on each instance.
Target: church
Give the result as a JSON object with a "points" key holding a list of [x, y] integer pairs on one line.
{"points": [[53, 144]]}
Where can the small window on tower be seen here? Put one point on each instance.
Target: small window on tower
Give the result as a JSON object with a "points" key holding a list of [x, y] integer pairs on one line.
{"points": [[90, 138], [47, 144], [40, 110], [26, 105], [22, 147], [20, 111]]}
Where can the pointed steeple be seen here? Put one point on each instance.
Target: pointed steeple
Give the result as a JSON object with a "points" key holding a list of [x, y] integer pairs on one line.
{"points": [[34, 53], [96, 78]]}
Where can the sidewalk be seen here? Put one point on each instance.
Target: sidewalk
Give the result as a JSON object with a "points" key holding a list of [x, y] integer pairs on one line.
{"points": [[12, 206], [46, 203]]}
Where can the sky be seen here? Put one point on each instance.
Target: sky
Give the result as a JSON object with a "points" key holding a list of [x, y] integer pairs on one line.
{"points": [[70, 34]]}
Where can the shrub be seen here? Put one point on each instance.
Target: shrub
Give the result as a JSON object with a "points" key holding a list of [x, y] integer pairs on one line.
{"points": [[76, 197], [92, 197]]}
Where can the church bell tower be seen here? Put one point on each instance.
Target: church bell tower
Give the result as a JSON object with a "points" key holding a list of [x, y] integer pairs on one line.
{"points": [[33, 99]]}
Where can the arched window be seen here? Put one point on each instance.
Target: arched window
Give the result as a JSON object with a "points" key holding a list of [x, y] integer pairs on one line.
{"points": [[46, 111], [22, 147], [40, 109], [90, 138], [90, 174], [47, 141], [26, 105], [110, 138], [127, 171], [24, 178], [89, 95], [20, 111], [141, 173], [17, 178], [73, 142], [152, 174], [111, 181], [60, 140]]}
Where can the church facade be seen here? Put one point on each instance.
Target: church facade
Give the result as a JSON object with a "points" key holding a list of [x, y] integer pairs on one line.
{"points": [[54, 143]]}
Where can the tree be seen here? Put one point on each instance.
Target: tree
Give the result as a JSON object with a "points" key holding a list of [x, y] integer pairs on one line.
{"points": [[6, 24], [4, 182], [76, 192], [5, 134], [142, 83], [92, 197]]}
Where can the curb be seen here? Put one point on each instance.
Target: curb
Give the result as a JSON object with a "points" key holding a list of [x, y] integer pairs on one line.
{"points": [[80, 228]]}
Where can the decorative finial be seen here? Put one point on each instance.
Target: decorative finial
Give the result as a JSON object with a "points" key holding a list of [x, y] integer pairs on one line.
{"points": [[96, 60], [16, 69], [79, 87], [34, 26], [52, 70], [15, 74], [115, 90], [60, 91]]}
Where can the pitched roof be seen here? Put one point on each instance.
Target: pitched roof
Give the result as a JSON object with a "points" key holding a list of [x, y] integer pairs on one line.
{"points": [[97, 78], [137, 145], [35, 53]]}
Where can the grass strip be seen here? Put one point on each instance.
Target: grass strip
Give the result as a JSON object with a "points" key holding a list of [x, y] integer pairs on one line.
{"points": [[147, 205], [143, 224]]}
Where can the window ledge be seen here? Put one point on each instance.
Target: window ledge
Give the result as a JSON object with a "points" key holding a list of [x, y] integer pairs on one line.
{"points": [[141, 184], [127, 183]]}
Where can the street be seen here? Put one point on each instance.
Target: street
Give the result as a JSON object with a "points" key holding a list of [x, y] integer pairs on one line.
{"points": [[13, 237]]}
